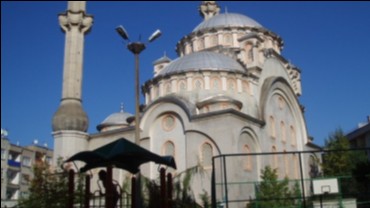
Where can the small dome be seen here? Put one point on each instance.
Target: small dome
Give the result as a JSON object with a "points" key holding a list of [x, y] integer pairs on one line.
{"points": [[202, 60], [115, 120], [163, 59], [227, 20]]}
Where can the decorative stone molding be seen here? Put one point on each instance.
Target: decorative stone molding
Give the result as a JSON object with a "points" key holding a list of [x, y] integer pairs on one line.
{"points": [[78, 19], [208, 9]]}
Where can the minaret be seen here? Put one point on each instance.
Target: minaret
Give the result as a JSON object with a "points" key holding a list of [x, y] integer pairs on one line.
{"points": [[70, 122], [209, 9]]}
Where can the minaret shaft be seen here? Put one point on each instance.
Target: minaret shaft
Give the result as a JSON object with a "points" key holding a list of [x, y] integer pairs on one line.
{"points": [[73, 62], [76, 6], [75, 23]]}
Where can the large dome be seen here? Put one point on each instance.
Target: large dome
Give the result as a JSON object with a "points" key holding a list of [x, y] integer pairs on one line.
{"points": [[202, 60], [115, 120], [227, 20]]}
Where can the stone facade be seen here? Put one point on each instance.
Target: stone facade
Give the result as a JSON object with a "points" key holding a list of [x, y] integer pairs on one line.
{"points": [[229, 91]]}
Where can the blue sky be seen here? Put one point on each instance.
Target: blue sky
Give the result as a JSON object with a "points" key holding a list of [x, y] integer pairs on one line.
{"points": [[328, 41]]}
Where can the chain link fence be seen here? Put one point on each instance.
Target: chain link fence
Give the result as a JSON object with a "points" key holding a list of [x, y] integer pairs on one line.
{"points": [[288, 179]]}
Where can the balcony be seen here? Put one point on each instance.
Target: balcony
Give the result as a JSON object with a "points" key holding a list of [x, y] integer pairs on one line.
{"points": [[13, 163], [12, 187]]}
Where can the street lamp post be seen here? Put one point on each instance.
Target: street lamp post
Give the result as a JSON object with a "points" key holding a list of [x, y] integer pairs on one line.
{"points": [[136, 48]]}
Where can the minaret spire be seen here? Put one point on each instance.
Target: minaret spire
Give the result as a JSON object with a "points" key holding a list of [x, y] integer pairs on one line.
{"points": [[209, 9], [70, 122]]}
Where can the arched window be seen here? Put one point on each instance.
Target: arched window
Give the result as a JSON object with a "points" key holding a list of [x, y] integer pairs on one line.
{"points": [[293, 138], [198, 84], [216, 84], [200, 44], [182, 86], [157, 91], [281, 102], [248, 159], [272, 127], [231, 85], [168, 88], [295, 166], [207, 154], [248, 52], [228, 39], [286, 164], [169, 149], [274, 158], [283, 131], [206, 109], [246, 87], [214, 40], [224, 105], [187, 48]]}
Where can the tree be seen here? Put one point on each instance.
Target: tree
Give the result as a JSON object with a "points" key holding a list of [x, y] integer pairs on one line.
{"points": [[50, 189], [337, 163], [340, 161], [272, 193], [45, 189], [206, 199], [183, 196]]}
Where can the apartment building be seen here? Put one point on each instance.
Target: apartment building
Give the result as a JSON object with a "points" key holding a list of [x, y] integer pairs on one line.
{"points": [[360, 137], [16, 168]]}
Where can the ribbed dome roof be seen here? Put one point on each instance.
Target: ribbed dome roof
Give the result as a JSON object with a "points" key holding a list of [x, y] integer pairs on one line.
{"points": [[227, 20], [115, 119], [202, 60]]}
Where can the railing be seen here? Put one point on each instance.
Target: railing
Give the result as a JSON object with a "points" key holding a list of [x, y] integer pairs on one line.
{"points": [[109, 198], [97, 200], [14, 163]]}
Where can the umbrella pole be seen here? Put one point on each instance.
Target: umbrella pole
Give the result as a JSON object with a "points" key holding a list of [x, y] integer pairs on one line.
{"points": [[133, 195], [138, 191], [109, 189]]}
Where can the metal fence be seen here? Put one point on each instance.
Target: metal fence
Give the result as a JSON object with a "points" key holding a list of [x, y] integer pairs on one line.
{"points": [[292, 179], [73, 190]]}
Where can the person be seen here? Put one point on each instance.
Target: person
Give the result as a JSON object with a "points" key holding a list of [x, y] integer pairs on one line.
{"points": [[115, 194]]}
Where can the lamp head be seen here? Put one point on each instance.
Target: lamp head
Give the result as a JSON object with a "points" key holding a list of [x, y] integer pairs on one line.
{"points": [[122, 32], [155, 35]]}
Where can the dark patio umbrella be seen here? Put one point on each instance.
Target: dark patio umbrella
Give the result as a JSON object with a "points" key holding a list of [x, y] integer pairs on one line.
{"points": [[120, 154]]}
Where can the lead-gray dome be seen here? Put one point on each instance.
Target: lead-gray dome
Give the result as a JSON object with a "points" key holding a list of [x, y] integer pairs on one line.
{"points": [[115, 120], [202, 60], [227, 20]]}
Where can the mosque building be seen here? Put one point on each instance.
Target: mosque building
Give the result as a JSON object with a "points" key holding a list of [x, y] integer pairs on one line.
{"points": [[230, 90]]}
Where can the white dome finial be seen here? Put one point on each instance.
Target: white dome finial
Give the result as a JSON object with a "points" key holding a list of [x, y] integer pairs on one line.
{"points": [[122, 108]]}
